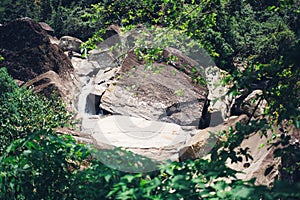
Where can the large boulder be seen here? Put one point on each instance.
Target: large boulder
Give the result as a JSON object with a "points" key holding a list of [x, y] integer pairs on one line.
{"points": [[27, 50], [157, 140], [204, 140], [32, 59], [263, 167], [107, 52], [166, 92]]}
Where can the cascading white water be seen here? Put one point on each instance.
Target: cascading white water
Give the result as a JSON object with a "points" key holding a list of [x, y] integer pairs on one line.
{"points": [[85, 108]]}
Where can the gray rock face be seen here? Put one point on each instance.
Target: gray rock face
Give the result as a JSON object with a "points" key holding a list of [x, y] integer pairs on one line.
{"points": [[144, 98], [103, 57], [69, 43], [85, 68], [250, 103], [157, 140], [162, 93], [264, 167]]}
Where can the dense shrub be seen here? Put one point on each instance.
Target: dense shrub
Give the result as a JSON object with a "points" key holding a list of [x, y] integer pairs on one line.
{"points": [[40, 166], [23, 113], [35, 163]]}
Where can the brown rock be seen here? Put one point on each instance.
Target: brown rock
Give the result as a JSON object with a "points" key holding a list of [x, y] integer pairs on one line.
{"points": [[32, 59], [28, 52], [264, 167], [46, 27], [22, 34], [204, 140], [165, 93], [50, 82]]}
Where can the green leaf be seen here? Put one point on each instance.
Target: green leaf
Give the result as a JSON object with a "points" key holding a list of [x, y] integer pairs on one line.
{"points": [[26, 166]]}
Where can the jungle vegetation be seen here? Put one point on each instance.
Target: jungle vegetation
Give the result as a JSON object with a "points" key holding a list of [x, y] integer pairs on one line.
{"points": [[262, 36]]}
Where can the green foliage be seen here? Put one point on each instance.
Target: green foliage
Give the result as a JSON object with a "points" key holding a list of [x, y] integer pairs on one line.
{"points": [[256, 41], [23, 113], [64, 16], [262, 37], [40, 166], [230, 31], [71, 21], [10, 10]]}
